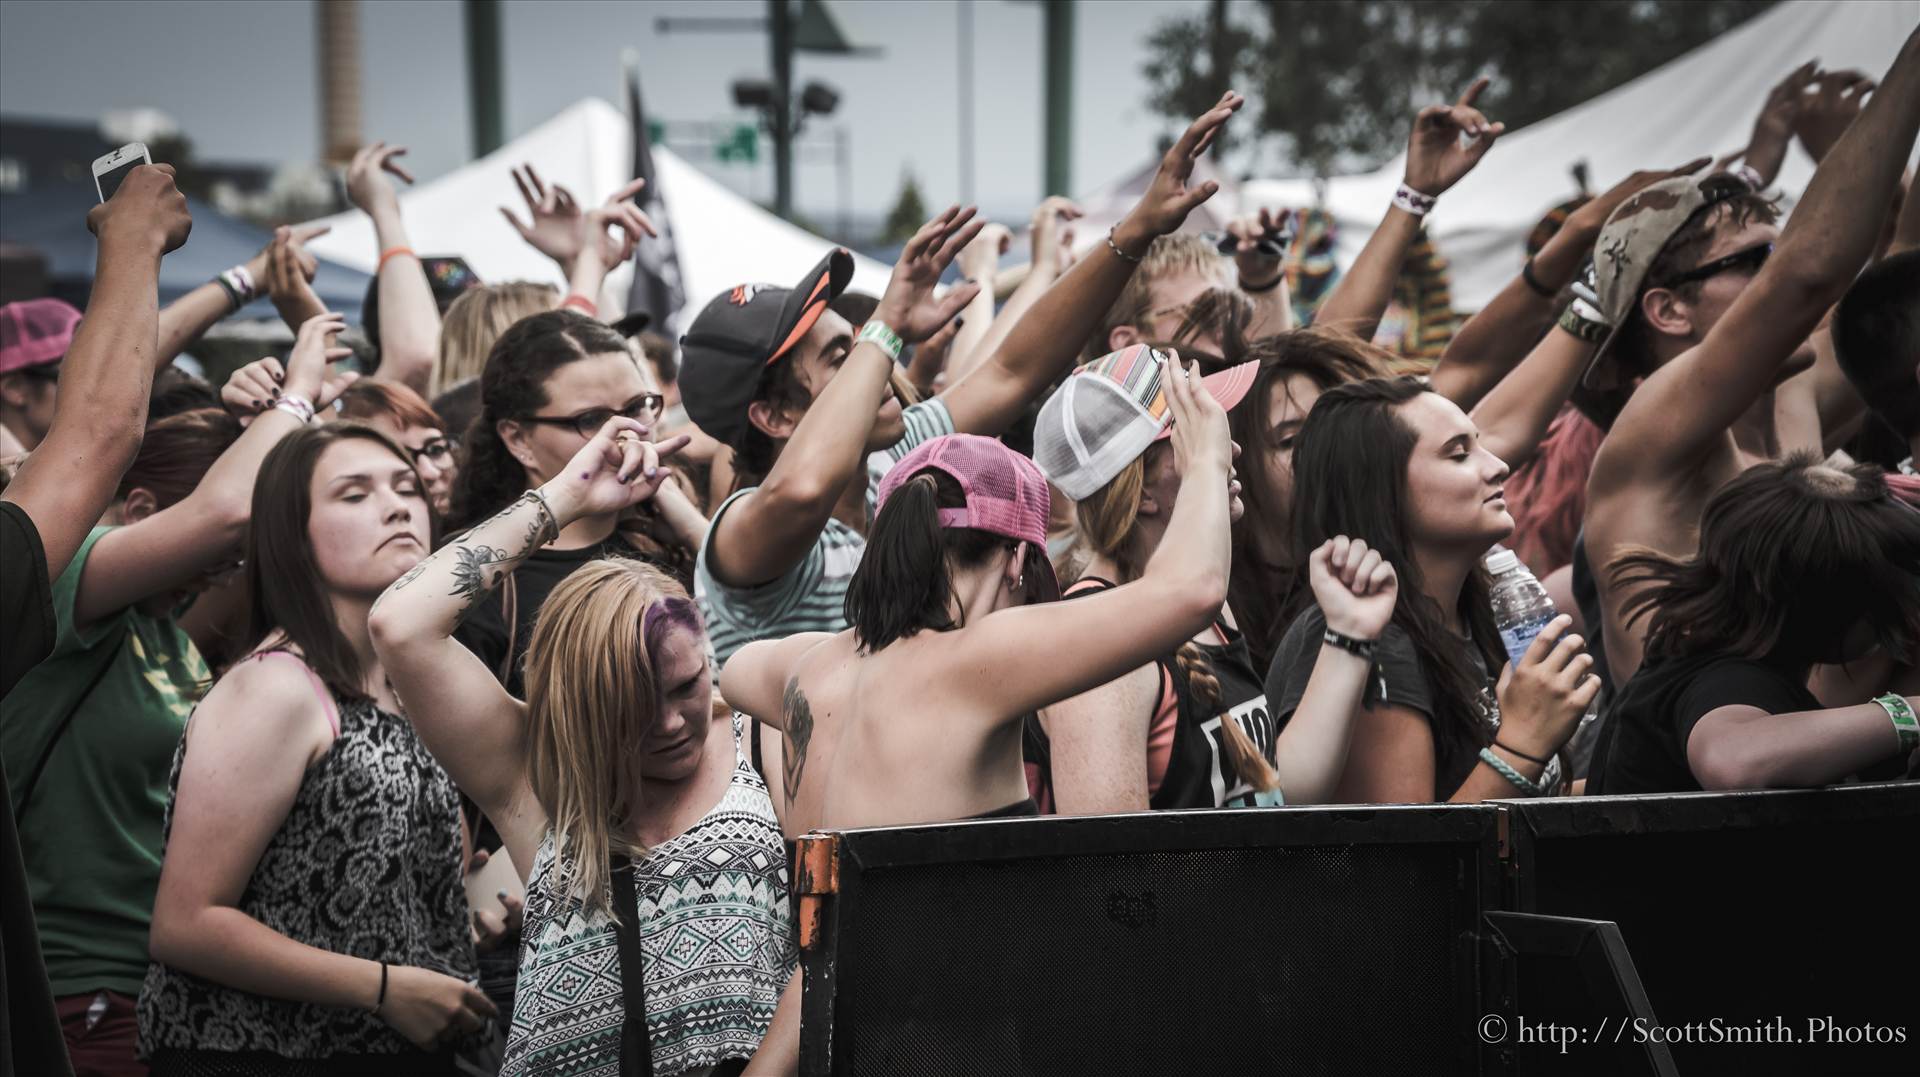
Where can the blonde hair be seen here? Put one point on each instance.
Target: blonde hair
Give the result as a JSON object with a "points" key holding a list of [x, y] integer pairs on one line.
{"points": [[1168, 255], [593, 692], [1108, 520], [475, 321]]}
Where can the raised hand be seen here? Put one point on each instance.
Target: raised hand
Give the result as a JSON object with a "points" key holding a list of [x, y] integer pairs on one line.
{"points": [[1544, 696], [289, 274], [980, 258], [617, 469], [1051, 234], [147, 210], [557, 225], [1256, 260], [1202, 445], [253, 388], [1171, 196], [1593, 216], [1825, 115], [908, 305], [1354, 587], [306, 371], [1773, 129], [367, 184], [1436, 158], [611, 230]]}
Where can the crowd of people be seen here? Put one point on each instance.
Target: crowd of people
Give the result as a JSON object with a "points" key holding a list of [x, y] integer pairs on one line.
{"points": [[459, 717]]}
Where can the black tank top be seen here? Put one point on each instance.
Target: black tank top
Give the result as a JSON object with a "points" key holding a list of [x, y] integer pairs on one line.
{"points": [[1199, 773]]}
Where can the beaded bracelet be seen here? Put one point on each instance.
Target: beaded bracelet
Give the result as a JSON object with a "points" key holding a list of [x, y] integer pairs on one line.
{"points": [[1906, 725], [1520, 781], [1115, 248]]}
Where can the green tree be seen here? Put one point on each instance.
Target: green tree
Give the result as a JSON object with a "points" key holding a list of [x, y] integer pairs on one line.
{"points": [[1338, 83], [909, 212]]}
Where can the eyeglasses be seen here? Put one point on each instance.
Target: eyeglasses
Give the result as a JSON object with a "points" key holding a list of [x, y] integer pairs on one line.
{"points": [[1748, 260], [645, 407], [439, 450]]}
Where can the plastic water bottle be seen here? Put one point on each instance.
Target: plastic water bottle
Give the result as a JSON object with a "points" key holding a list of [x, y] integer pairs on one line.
{"points": [[1521, 607]]}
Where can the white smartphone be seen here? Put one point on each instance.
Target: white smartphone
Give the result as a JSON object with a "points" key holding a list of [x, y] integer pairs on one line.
{"points": [[110, 169]]}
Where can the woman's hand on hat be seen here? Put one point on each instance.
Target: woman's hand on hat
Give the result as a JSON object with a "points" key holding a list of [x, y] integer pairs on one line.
{"points": [[1201, 442], [313, 350], [1170, 197], [1354, 587], [1436, 160], [618, 468], [908, 306]]}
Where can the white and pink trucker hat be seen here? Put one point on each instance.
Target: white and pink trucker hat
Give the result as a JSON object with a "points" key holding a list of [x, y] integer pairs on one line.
{"points": [[1108, 412]]}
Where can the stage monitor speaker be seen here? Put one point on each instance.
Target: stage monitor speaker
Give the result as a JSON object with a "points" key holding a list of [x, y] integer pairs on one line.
{"points": [[1578, 989], [1770, 929], [1293, 940]]}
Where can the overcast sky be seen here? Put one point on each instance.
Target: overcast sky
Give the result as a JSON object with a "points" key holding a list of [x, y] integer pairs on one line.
{"points": [[241, 80]]}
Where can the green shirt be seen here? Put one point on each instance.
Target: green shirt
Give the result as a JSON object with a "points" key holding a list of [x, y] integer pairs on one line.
{"points": [[91, 831]]}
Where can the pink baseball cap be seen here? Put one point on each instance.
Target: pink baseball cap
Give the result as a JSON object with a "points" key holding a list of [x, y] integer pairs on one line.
{"points": [[34, 332], [1006, 494]]}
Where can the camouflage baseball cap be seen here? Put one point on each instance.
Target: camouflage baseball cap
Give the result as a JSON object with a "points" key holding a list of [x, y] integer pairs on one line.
{"points": [[1634, 236]]}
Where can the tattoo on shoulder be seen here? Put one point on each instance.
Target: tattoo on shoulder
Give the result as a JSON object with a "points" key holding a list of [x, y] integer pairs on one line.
{"points": [[799, 722]]}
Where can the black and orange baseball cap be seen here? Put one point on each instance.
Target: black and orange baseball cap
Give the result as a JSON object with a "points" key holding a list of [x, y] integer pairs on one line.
{"points": [[741, 333]]}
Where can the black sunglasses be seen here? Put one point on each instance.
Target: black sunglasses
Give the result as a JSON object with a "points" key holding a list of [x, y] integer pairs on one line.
{"points": [[1749, 260], [588, 423], [439, 450]]}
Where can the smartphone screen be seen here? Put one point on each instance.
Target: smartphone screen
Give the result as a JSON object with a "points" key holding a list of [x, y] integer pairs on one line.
{"points": [[111, 179]]}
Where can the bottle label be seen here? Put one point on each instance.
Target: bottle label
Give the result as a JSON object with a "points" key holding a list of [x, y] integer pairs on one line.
{"points": [[1517, 638]]}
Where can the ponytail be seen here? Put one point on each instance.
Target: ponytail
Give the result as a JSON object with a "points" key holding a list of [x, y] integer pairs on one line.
{"points": [[1243, 757], [903, 584]]}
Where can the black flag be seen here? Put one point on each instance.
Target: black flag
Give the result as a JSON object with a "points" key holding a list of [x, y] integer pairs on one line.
{"points": [[656, 289]]}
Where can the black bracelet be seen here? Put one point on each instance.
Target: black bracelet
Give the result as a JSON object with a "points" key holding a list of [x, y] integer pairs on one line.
{"points": [[1259, 289], [233, 296], [1361, 647], [382, 1000], [1533, 282], [1521, 754]]}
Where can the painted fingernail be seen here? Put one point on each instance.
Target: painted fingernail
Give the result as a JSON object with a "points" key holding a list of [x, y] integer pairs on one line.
{"points": [[502, 895]]}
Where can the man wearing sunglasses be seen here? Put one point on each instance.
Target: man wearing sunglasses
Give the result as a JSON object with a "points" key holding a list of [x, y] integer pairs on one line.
{"points": [[1714, 307]]}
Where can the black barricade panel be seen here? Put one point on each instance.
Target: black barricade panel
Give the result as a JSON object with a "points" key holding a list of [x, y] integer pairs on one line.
{"points": [[1763, 925], [1264, 956]]}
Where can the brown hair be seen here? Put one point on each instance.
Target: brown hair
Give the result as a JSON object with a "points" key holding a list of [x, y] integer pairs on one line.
{"points": [[1108, 519], [593, 692], [475, 321], [289, 597], [1180, 252], [377, 398], [1263, 588], [176, 453], [1634, 348], [754, 451]]}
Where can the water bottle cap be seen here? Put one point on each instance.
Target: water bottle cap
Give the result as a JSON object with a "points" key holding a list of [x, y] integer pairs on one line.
{"points": [[1502, 560]]}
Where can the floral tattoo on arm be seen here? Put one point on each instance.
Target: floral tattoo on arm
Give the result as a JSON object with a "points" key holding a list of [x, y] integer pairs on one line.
{"points": [[478, 567]]}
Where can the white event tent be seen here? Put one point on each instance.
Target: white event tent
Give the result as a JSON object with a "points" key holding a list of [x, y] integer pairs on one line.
{"points": [[722, 239], [1703, 102]]}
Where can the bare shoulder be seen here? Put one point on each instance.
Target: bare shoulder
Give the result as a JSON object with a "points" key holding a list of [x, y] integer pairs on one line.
{"points": [[267, 694]]}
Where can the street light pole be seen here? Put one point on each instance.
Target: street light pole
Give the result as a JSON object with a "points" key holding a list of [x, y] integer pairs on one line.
{"points": [[780, 37], [1058, 37], [966, 101]]}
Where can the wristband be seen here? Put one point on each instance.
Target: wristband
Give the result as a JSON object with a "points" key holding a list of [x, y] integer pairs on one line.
{"points": [[1533, 282], [382, 1000], [1361, 647], [1413, 201], [883, 335], [582, 304], [1906, 725], [295, 405], [1118, 253], [1262, 289], [1587, 329], [392, 252], [1520, 781], [245, 280], [1521, 754], [234, 301]]}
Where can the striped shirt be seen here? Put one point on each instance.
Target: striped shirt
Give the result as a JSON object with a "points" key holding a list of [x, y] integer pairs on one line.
{"points": [[812, 595]]}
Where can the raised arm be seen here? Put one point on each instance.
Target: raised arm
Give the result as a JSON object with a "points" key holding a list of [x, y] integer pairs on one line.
{"points": [[1436, 160], [608, 236], [290, 273], [1678, 412], [755, 678], [1045, 343], [100, 413], [1514, 417], [409, 317], [463, 716], [978, 261], [167, 550], [1486, 348], [1355, 590], [1766, 150], [767, 532], [1260, 259], [1009, 663], [250, 744]]}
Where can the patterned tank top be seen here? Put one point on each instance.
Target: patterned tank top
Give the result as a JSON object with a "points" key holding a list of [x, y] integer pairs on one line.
{"points": [[367, 863], [715, 931]]}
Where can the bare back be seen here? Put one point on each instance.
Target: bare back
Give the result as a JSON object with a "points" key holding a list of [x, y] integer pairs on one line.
{"points": [[866, 746]]}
